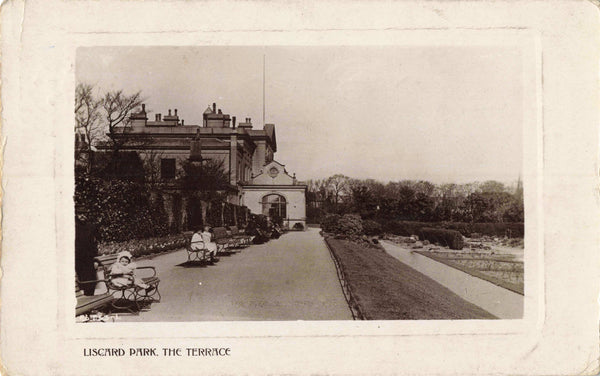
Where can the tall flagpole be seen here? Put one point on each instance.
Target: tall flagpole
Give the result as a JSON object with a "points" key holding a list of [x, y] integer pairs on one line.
{"points": [[263, 90]]}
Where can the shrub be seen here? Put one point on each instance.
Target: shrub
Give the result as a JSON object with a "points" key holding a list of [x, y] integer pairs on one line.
{"points": [[331, 223], [450, 238], [350, 224], [120, 209], [298, 226], [371, 227]]}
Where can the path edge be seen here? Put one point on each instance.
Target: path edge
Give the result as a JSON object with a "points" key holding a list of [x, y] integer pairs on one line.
{"points": [[350, 300]]}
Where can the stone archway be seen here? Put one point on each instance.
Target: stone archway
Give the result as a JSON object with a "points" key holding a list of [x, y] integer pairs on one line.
{"points": [[274, 206]]}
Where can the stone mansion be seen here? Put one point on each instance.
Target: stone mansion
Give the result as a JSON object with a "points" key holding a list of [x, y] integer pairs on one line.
{"points": [[256, 179]]}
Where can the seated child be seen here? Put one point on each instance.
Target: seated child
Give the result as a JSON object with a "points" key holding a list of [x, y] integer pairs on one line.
{"points": [[125, 267], [197, 243], [208, 243]]}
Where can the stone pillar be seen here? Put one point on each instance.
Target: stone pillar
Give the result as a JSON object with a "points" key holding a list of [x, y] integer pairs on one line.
{"points": [[204, 206], [233, 160]]}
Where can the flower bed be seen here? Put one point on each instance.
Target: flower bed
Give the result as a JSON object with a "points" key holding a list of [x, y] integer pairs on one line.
{"points": [[149, 246]]}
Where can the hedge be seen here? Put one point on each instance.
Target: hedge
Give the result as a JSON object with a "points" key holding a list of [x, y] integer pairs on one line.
{"points": [[120, 210], [371, 227], [450, 238], [407, 228]]}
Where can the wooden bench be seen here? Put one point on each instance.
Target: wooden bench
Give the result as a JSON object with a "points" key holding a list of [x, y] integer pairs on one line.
{"points": [[87, 303], [129, 292], [243, 239]]}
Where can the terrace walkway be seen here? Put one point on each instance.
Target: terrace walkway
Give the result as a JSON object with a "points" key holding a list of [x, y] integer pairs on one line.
{"points": [[290, 278]]}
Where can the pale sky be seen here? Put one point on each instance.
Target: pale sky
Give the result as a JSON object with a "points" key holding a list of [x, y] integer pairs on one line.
{"points": [[442, 114]]}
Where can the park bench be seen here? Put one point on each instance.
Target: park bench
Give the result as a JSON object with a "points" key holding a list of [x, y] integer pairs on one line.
{"points": [[199, 254], [223, 239], [87, 303], [130, 292], [243, 239]]}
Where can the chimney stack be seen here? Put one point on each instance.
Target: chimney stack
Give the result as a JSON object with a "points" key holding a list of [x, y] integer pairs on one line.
{"points": [[214, 108], [246, 125], [169, 112], [159, 117], [143, 107], [175, 112], [233, 121], [182, 122]]}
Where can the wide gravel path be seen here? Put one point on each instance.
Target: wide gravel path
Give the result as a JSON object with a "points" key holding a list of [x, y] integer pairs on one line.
{"points": [[290, 278]]}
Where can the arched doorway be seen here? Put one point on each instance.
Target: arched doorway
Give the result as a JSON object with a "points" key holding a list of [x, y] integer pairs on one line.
{"points": [[274, 206]]}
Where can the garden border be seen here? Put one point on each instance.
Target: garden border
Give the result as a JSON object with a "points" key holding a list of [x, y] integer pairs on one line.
{"points": [[350, 300]]}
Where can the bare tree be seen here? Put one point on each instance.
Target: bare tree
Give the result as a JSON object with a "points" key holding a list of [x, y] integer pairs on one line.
{"points": [[87, 125], [151, 160], [339, 187], [117, 107]]}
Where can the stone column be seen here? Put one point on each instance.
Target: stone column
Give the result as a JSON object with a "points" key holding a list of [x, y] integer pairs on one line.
{"points": [[233, 160]]}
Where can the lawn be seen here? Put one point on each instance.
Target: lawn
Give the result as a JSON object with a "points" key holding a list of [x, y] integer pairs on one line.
{"points": [[383, 288]]}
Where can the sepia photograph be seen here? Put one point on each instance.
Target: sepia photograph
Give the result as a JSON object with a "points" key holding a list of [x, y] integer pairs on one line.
{"points": [[300, 188], [226, 183]]}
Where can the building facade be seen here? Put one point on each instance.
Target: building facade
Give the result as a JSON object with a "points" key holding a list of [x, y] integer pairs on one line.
{"points": [[255, 179]]}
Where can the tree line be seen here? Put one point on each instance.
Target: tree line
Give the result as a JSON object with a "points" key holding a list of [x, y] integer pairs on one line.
{"points": [[409, 200]]}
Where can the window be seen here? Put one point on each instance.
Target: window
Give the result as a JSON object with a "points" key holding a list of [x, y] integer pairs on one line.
{"points": [[167, 168], [274, 206]]}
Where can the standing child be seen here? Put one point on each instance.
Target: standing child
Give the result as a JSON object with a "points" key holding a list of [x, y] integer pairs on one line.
{"points": [[123, 272]]}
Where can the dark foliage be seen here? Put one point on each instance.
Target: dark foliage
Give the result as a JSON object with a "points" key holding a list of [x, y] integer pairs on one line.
{"points": [[371, 227], [120, 210], [208, 176], [449, 238], [404, 228], [331, 223], [417, 201], [120, 165], [407, 228], [350, 224]]}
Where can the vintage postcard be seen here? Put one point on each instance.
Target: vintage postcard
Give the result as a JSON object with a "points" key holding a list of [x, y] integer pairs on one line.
{"points": [[300, 188]]}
